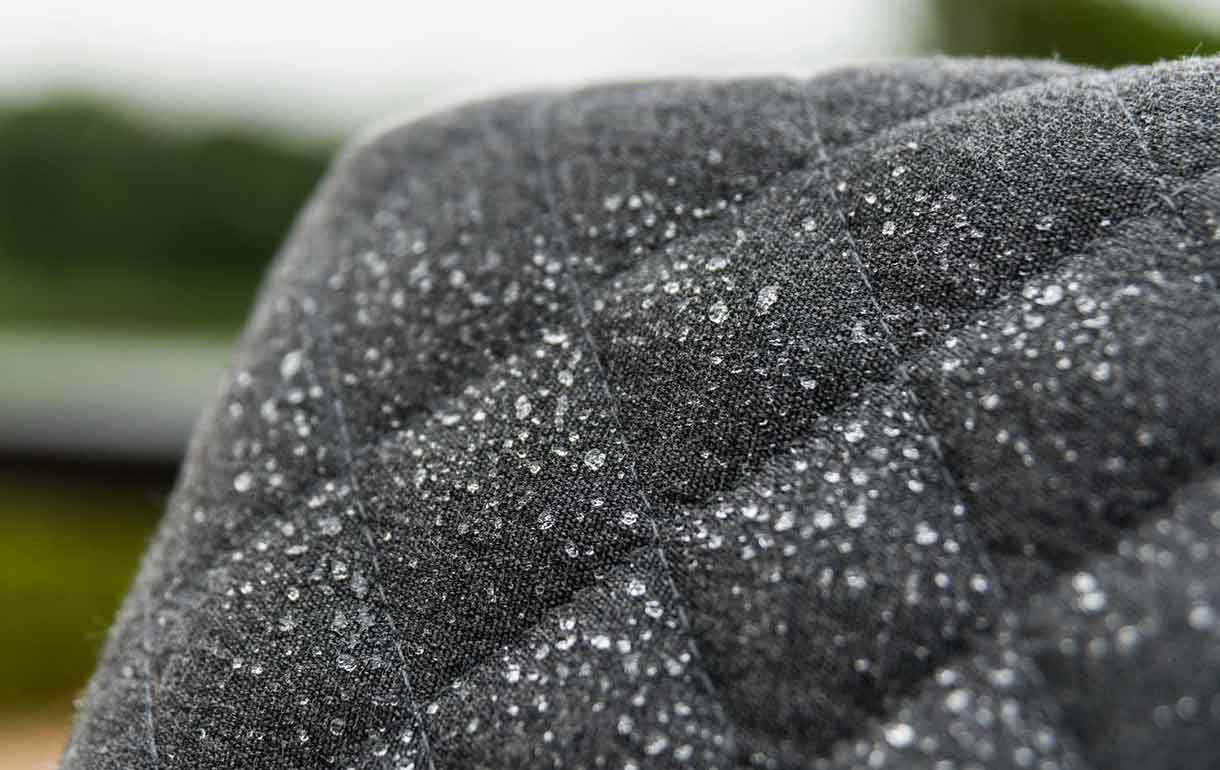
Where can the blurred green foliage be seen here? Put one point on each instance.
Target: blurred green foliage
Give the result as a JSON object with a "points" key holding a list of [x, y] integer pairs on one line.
{"points": [[109, 222], [68, 552], [1105, 33]]}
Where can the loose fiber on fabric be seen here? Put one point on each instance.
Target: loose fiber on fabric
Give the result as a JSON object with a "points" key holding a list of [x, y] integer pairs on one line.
{"points": [[863, 421]]}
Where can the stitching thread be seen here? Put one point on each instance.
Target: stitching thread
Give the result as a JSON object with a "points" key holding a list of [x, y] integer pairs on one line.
{"points": [[559, 230], [327, 349], [149, 681]]}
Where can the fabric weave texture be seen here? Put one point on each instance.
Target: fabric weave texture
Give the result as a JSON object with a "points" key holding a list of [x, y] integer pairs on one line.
{"points": [[869, 420]]}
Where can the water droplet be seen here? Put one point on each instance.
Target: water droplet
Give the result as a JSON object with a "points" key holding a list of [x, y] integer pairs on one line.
{"points": [[899, 735], [957, 700], [338, 570], [1092, 598], [655, 745], [346, 662], [243, 481], [290, 364], [808, 383], [1050, 295], [888, 228], [524, 407], [855, 579], [925, 535], [330, 525], [1201, 617], [625, 725], [718, 312], [767, 296], [594, 459], [856, 516], [1084, 582]]}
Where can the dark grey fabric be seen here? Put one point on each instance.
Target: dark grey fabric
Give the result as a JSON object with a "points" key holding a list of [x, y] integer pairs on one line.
{"points": [[863, 421]]}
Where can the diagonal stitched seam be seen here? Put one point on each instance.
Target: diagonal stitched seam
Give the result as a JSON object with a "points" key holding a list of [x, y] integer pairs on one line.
{"points": [[327, 349], [903, 373], [904, 379], [1112, 87], [543, 114], [149, 683], [1019, 640]]}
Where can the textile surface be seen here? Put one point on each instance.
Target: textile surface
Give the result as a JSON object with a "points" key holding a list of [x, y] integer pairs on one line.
{"points": [[869, 420]]}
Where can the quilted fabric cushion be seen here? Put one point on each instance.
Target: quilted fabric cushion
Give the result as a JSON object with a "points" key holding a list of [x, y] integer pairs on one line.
{"points": [[863, 421]]}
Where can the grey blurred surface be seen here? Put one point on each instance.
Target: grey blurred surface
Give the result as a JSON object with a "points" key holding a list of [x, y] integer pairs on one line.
{"points": [[134, 397]]}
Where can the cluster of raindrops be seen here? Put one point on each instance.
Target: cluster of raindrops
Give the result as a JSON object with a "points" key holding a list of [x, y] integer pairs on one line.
{"points": [[621, 665], [984, 711]]}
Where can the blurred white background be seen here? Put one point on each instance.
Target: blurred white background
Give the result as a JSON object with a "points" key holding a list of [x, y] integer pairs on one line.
{"points": [[337, 65]]}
